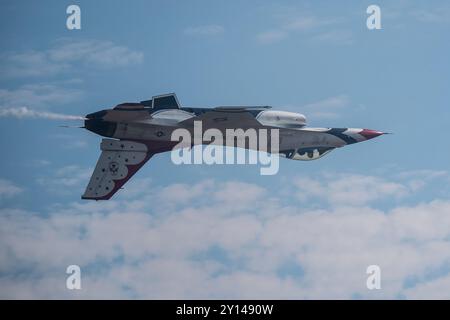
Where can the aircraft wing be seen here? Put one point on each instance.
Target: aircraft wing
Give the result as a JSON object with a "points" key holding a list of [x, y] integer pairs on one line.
{"points": [[118, 162]]}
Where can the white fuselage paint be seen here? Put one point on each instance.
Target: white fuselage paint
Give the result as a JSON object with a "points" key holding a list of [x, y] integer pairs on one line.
{"points": [[293, 133], [289, 138]]}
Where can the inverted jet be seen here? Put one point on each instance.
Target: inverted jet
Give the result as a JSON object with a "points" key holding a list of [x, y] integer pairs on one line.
{"points": [[134, 132]]}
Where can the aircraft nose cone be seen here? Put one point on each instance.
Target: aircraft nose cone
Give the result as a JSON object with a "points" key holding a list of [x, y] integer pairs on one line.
{"points": [[98, 126], [370, 134]]}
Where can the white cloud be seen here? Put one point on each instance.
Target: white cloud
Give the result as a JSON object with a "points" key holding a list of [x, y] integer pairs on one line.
{"points": [[436, 289], [137, 249], [205, 30], [340, 37], [65, 55], [423, 174], [76, 144], [37, 96], [327, 108], [30, 101], [437, 16], [64, 179], [402, 14], [271, 36], [418, 179], [312, 27], [179, 193], [307, 22], [238, 193], [95, 53], [71, 175], [8, 189], [30, 64], [330, 103], [229, 195], [39, 163], [349, 189]]}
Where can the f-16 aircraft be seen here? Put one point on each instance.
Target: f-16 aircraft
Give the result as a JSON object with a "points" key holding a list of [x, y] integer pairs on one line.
{"points": [[136, 131]]}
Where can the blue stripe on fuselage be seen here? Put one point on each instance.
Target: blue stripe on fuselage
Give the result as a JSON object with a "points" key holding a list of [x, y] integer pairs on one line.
{"points": [[339, 132]]}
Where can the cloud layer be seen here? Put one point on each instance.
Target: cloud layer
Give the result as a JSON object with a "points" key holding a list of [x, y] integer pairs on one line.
{"points": [[293, 23], [28, 100], [38, 96], [8, 189], [65, 55], [232, 239]]}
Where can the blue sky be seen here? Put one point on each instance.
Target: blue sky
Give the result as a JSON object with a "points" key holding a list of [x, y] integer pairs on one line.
{"points": [[382, 202]]}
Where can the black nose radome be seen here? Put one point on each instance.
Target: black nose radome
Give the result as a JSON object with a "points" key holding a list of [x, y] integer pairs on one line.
{"points": [[98, 126]]}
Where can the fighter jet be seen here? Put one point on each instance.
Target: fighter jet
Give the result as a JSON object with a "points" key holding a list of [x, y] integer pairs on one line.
{"points": [[134, 132]]}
